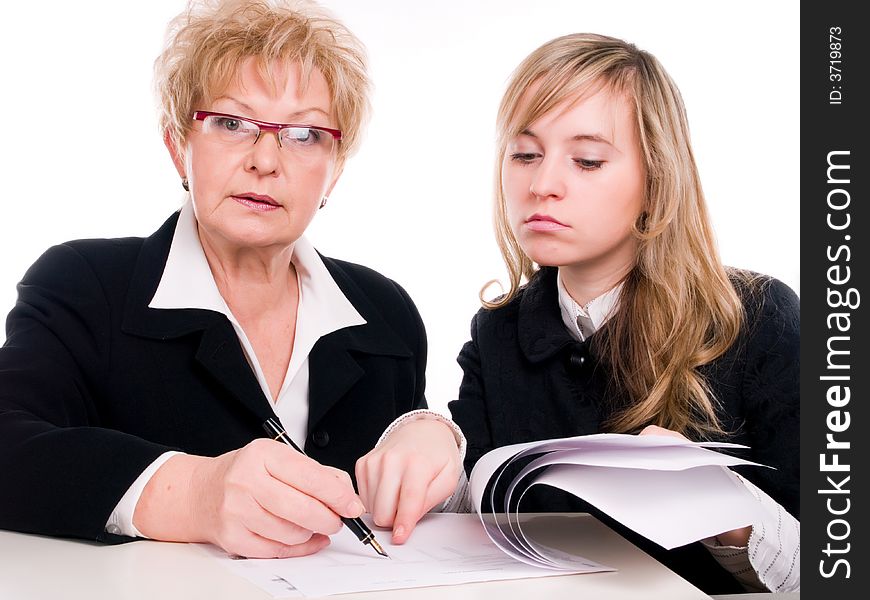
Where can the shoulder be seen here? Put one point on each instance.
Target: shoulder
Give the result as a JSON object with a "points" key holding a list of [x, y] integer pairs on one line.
{"points": [[499, 320], [373, 293], [766, 300], [107, 263], [76, 260], [357, 280], [771, 323]]}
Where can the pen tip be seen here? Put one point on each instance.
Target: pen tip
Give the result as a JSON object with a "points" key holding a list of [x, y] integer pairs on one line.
{"points": [[374, 543]]}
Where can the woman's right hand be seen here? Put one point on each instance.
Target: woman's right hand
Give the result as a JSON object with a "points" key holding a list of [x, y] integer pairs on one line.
{"points": [[265, 500]]}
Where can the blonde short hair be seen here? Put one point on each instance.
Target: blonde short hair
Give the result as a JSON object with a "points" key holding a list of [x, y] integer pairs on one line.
{"points": [[207, 42]]}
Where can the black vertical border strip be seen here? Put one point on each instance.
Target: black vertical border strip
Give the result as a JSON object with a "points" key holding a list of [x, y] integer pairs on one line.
{"points": [[828, 126]]}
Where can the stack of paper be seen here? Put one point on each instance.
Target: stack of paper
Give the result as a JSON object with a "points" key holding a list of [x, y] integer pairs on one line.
{"points": [[671, 491]]}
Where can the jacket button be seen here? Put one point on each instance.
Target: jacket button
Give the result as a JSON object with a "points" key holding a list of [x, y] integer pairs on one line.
{"points": [[578, 356], [320, 438]]}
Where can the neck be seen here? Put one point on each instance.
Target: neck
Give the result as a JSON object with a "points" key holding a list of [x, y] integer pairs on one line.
{"points": [[251, 279], [584, 285]]}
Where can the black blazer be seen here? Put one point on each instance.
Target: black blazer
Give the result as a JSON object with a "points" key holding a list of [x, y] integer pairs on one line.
{"points": [[525, 379], [94, 385]]}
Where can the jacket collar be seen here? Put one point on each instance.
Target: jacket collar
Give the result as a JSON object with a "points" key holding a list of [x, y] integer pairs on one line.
{"points": [[333, 366], [147, 322], [541, 331]]}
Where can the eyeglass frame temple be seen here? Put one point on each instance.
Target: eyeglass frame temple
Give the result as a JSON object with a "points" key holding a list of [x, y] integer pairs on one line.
{"points": [[200, 115]]}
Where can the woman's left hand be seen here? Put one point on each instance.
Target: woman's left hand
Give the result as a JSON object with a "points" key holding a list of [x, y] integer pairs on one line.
{"points": [[413, 470], [735, 537]]}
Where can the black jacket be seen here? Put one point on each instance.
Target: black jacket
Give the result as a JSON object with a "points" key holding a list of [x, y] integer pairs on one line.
{"points": [[94, 385], [525, 379]]}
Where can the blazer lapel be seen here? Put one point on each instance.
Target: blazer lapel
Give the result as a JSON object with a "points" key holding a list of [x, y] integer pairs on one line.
{"points": [[334, 362], [221, 354], [332, 373], [219, 351]]}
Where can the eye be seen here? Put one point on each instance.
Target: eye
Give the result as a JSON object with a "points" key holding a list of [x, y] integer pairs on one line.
{"points": [[586, 164], [524, 157], [303, 136], [229, 124]]}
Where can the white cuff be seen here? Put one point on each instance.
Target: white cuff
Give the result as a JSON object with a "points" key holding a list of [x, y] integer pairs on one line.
{"points": [[121, 520], [772, 558], [460, 500], [424, 413]]}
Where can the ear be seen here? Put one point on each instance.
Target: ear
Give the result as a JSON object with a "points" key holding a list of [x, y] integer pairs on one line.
{"points": [[176, 154]]}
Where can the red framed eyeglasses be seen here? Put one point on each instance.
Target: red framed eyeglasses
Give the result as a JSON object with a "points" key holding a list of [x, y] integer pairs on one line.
{"points": [[233, 129]]}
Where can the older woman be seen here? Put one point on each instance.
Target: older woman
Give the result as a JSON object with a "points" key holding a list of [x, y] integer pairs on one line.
{"points": [[137, 373]]}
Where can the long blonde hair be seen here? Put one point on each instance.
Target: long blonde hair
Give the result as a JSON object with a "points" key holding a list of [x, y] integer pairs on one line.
{"points": [[678, 309]]}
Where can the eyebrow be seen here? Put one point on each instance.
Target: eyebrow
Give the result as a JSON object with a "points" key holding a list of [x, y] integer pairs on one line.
{"points": [[293, 116], [580, 137]]}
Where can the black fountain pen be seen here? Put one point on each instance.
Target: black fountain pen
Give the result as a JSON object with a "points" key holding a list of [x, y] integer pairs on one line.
{"points": [[357, 525]]}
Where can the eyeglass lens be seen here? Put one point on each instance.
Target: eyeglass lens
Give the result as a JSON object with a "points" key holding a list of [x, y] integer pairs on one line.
{"points": [[303, 141]]}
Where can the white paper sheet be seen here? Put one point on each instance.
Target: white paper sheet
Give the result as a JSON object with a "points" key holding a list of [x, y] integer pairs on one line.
{"points": [[444, 549], [669, 490]]}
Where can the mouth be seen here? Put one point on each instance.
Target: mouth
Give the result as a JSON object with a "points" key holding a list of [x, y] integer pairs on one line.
{"points": [[256, 201], [538, 222]]}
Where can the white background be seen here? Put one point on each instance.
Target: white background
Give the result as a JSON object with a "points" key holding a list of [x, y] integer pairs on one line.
{"points": [[82, 156]]}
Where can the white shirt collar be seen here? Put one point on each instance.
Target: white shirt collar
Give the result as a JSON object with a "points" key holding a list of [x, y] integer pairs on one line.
{"points": [[187, 282], [583, 321]]}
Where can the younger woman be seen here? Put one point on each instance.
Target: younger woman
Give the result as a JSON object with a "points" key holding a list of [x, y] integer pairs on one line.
{"points": [[619, 316]]}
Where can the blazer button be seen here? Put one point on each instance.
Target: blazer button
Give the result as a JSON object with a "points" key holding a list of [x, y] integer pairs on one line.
{"points": [[578, 356], [320, 438], [577, 360]]}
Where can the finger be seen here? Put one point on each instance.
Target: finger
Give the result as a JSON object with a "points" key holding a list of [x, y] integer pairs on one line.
{"points": [[411, 503], [374, 468], [386, 496], [266, 525], [331, 487], [290, 505], [255, 546], [364, 466], [317, 542], [442, 486], [245, 543], [656, 430]]}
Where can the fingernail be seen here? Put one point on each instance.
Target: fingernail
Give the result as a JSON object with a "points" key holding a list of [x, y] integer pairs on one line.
{"points": [[398, 533], [355, 508]]}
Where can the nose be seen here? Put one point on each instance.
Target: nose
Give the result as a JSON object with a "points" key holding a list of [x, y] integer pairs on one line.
{"points": [[548, 179], [265, 155]]}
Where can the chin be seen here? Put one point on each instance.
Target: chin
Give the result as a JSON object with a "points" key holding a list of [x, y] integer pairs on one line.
{"points": [[548, 257], [257, 238]]}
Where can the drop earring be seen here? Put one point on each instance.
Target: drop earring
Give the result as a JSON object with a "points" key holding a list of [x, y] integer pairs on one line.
{"points": [[185, 184]]}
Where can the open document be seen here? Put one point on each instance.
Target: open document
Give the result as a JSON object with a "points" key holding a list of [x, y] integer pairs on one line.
{"points": [[671, 491], [445, 549]]}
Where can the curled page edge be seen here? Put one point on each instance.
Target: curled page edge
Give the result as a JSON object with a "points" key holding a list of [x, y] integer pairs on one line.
{"points": [[516, 543]]}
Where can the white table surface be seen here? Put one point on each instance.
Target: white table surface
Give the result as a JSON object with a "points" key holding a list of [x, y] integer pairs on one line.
{"points": [[40, 568]]}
